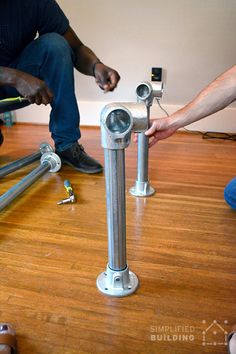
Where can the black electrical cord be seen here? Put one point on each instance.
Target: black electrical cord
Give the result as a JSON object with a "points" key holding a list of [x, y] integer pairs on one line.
{"points": [[216, 135], [158, 101]]}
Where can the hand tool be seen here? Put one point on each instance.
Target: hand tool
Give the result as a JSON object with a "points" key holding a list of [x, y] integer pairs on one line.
{"points": [[9, 101], [70, 192]]}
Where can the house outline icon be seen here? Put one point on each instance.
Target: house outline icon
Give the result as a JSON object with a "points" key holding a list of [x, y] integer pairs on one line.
{"points": [[214, 328]]}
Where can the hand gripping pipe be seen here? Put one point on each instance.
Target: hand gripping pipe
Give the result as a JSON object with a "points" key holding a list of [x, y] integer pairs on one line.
{"points": [[145, 92], [49, 162], [27, 160], [117, 122]]}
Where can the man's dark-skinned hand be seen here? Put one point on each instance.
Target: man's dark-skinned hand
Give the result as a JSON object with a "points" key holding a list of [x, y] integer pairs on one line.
{"points": [[88, 63], [28, 86], [33, 88], [105, 77]]}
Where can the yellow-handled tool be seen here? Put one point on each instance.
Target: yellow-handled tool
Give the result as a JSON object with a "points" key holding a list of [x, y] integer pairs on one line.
{"points": [[70, 192], [9, 101]]}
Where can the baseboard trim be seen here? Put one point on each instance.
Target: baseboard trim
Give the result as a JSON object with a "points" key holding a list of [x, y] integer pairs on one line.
{"points": [[223, 121]]}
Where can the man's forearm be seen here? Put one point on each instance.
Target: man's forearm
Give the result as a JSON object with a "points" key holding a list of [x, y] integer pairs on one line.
{"points": [[88, 63], [85, 60], [216, 96], [84, 56], [8, 76]]}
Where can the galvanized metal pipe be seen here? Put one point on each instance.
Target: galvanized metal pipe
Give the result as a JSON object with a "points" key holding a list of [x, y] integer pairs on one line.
{"points": [[146, 92], [117, 122], [49, 162], [25, 161], [116, 208], [143, 154]]}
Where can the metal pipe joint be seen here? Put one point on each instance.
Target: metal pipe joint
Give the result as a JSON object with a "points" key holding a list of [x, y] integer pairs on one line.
{"points": [[118, 120], [25, 161], [147, 91], [51, 159]]}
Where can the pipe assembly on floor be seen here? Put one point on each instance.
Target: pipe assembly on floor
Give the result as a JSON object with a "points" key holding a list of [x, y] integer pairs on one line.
{"points": [[25, 161], [117, 122], [49, 162], [145, 92]]}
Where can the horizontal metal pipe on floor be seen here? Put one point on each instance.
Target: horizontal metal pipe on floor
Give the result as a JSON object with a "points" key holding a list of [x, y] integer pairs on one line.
{"points": [[49, 162], [25, 161]]}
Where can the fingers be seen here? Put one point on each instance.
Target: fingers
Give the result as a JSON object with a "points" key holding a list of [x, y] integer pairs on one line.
{"points": [[31, 99], [103, 86], [46, 96], [135, 139], [159, 130], [43, 96], [38, 99], [151, 130], [153, 141], [114, 78], [106, 78], [49, 95]]}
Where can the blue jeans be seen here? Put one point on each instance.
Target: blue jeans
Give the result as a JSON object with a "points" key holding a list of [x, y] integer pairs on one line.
{"points": [[50, 58], [230, 193]]}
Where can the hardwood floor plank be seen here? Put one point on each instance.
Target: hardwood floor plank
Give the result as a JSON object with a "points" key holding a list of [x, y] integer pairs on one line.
{"points": [[181, 243]]}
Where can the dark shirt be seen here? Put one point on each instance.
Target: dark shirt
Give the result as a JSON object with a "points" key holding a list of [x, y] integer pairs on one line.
{"points": [[20, 20]]}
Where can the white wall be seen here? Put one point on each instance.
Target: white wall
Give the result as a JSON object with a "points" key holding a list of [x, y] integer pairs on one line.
{"points": [[193, 40]]}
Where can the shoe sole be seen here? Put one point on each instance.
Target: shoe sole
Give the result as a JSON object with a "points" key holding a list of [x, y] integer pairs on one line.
{"points": [[99, 170]]}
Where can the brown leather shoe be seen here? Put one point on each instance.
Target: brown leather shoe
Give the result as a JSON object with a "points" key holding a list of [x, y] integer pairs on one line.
{"points": [[76, 157]]}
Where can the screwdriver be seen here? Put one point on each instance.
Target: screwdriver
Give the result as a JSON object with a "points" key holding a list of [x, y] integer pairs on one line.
{"points": [[9, 101], [70, 192]]}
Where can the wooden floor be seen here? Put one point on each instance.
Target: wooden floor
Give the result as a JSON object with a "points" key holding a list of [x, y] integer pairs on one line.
{"points": [[181, 243]]}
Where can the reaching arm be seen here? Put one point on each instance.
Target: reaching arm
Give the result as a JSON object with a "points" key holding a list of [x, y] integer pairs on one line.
{"points": [[89, 64], [216, 96], [37, 91]]}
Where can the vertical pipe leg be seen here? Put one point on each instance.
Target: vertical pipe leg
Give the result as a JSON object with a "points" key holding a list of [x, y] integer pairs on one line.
{"points": [[142, 164], [116, 207], [117, 280], [142, 187]]}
